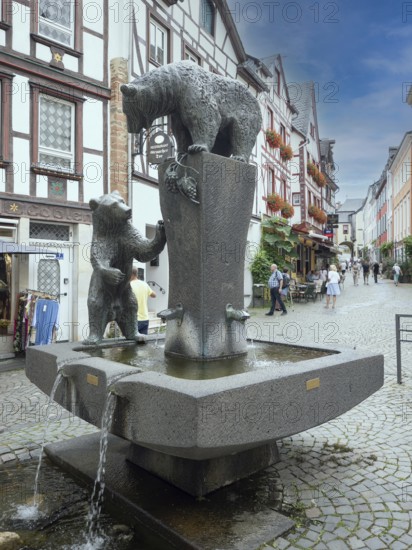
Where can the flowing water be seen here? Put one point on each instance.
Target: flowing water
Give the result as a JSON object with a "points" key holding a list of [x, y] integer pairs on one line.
{"points": [[63, 506], [31, 511], [96, 501]]}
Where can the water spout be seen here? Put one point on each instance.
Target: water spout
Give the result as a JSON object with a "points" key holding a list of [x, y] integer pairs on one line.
{"points": [[232, 314], [172, 313]]}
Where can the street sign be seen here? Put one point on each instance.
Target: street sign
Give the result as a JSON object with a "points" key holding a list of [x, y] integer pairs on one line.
{"points": [[333, 218]]}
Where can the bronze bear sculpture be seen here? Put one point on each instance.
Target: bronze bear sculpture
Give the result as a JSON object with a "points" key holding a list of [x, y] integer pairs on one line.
{"points": [[208, 112], [116, 242]]}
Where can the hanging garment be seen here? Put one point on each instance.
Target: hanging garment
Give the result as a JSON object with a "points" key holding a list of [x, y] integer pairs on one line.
{"points": [[45, 320]]}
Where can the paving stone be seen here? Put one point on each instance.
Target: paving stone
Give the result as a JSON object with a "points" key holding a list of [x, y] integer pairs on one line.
{"points": [[7, 457], [375, 544], [355, 543]]}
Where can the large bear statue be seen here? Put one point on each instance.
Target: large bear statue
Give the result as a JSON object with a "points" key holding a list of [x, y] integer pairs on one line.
{"points": [[114, 246], [208, 112]]}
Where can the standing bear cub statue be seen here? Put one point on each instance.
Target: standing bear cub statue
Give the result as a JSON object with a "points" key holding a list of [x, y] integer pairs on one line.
{"points": [[208, 112], [114, 246]]}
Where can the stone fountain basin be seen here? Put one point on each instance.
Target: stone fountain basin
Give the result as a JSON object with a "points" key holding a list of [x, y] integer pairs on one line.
{"points": [[205, 419]]}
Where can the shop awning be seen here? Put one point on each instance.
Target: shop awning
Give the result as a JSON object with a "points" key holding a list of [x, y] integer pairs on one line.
{"points": [[15, 248]]}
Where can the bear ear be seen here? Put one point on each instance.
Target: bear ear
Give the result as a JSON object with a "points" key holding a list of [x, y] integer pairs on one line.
{"points": [[117, 195], [93, 203]]}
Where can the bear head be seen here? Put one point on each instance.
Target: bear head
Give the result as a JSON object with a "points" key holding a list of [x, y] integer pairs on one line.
{"points": [[110, 208]]}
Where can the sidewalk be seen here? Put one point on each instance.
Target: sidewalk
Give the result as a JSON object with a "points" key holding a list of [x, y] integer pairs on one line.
{"points": [[347, 482]]}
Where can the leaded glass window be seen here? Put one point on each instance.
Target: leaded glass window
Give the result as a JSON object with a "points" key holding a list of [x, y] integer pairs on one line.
{"points": [[56, 20], [56, 134], [50, 232]]}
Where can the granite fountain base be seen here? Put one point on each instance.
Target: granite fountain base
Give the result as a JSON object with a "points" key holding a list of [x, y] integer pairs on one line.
{"points": [[197, 435]]}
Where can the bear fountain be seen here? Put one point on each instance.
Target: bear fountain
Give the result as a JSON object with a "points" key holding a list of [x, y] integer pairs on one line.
{"points": [[197, 435]]}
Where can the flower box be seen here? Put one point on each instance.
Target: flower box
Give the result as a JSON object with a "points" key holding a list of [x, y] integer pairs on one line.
{"points": [[286, 152], [273, 138], [317, 213]]}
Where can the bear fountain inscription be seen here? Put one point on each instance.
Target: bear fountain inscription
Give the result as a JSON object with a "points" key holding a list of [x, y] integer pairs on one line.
{"points": [[195, 434]]}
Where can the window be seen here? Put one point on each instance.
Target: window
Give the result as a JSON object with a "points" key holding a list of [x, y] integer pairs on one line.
{"points": [[56, 134], [190, 56], [277, 81], [271, 181], [158, 51], [283, 133], [207, 16], [56, 21], [345, 229]]}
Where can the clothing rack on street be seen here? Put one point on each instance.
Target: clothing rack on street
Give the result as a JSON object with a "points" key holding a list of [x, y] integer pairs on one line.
{"points": [[25, 318]]}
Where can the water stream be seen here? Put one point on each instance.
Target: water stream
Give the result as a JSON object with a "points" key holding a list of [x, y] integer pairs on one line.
{"points": [[96, 501], [32, 511]]}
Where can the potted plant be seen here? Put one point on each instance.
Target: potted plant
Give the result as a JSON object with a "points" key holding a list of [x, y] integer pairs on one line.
{"points": [[287, 210], [286, 152], [274, 201], [273, 138]]}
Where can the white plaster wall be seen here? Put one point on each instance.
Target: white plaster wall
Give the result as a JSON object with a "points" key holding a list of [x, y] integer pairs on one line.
{"points": [[43, 52], [41, 186], [71, 63], [93, 124], [21, 166], [21, 105], [119, 32], [93, 176], [81, 274], [93, 56], [93, 15], [72, 190], [21, 28], [190, 28], [2, 180], [2, 38], [146, 213]]}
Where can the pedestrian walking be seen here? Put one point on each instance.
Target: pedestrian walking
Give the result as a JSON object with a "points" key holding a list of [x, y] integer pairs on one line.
{"points": [[142, 291], [332, 286], [355, 273], [275, 284], [365, 269], [396, 270], [375, 271]]}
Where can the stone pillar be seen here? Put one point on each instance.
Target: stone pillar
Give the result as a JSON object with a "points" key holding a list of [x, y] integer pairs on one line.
{"points": [[118, 129], [206, 243]]}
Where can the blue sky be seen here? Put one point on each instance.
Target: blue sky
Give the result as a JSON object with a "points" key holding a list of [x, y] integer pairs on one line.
{"points": [[359, 54]]}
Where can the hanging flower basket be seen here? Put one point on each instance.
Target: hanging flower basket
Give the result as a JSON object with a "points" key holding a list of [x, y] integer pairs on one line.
{"points": [[287, 211], [273, 138], [286, 152], [321, 180], [274, 201]]}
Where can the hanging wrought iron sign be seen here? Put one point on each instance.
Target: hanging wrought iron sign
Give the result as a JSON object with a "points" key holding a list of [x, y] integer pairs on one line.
{"points": [[160, 148]]}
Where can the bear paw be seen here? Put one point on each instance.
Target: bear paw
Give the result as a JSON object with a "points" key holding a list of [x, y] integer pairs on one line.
{"points": [[140, 338], [197, 148], [239, 157]]}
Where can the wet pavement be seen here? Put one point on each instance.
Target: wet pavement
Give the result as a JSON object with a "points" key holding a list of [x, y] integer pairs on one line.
{"points": [[346, 483]]}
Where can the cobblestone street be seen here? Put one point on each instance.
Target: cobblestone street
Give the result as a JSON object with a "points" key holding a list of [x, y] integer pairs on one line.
{"points": [[347, 483]]}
